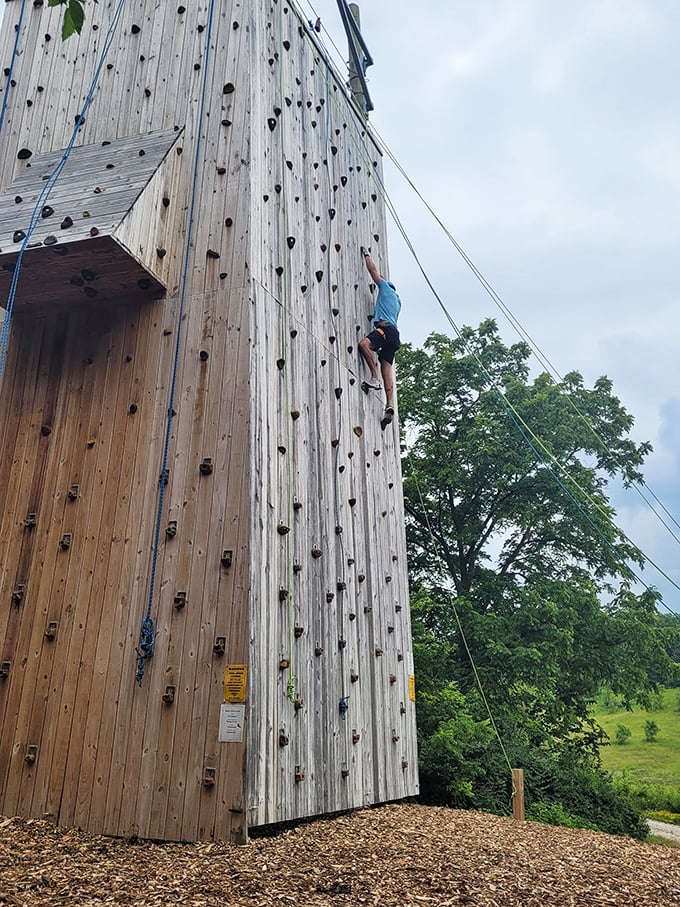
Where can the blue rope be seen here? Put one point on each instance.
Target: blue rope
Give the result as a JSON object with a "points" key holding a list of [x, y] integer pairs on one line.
{"points": [[49, 186], [11, 65], [147, 637]]}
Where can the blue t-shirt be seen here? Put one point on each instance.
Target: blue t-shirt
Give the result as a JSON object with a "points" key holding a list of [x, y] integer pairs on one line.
{"points": [[388, 304]]}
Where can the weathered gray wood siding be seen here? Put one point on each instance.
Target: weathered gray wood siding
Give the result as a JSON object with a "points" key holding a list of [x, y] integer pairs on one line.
{"points": [[84, 402], [322, 468]]}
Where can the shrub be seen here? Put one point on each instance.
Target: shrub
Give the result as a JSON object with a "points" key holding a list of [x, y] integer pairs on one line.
{"points": [[651, 731], [622, 735], [555, 814]]}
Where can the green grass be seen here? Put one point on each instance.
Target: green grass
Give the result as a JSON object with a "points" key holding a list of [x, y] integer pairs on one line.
{"points": [[638, 761]]}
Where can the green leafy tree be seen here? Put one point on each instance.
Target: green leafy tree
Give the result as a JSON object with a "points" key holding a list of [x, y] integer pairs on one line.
{"points": [[512, 543], [74, 16], [651, 731], [623, 734]]}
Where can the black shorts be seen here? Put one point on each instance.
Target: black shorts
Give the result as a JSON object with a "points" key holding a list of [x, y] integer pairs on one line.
{"points": [[384, 340]]}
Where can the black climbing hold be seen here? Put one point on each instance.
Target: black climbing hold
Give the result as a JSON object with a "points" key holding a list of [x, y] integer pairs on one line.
{"points": [[331, 213], [133, 408], [147, 92], [142, 152], [331, 339], [135, 29], [281, 449], [280, 363], [234, 25], [94, 231], [304, 288], [19, 235], [228, 88], [90, 291], [376, 237], [323, 362], [334, 150], [290, 240], [181, 10], [228, 222], [351, 501], [58, 250], [221, 170], [24, 154], [79, 120], [289, 164], [279, 270], [223, 274], [77, 281], [166, 201], [66, 222], [203, 355], [197, 66], [337, 247], [110, 166], [323, 247], [226, 122], [335, 312], [293, 333], [277, 188], [161, 253], [338, 393], [282, 529], [265, 197], [286, 45], [211, 253], [144, 283], [343, 180], [319, 276], [88, 275], [18, 199]]}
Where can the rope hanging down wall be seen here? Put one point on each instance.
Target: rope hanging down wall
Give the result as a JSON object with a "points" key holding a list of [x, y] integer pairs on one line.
{"points": [[147, 633]]}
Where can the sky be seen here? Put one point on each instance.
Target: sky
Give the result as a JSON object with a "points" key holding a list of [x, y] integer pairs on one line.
{"points": [[546, 137]]}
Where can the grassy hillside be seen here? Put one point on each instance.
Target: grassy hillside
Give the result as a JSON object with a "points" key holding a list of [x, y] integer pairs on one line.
{"points": [[639, 761]]}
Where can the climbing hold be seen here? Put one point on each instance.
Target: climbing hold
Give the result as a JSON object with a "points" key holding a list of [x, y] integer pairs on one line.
{"points": [[279, 270], [18, 594], [135, 29], [4, 670], [65, 542], [361, 577], [286, 45], [291, 241], [284, 663], [227, 558], [31, 521], [280, 364], [209, 777], [66, 223], [341, 585], [338, 393], [351, 501], [356, 737], [161, 253], [316, 552], [169, 695], [228, 222], [342, 643], [24, 154], [319, 276], [335, 442], [378, 651], [318, 650], [90, 291], [281, 449], [295, 414], [335, 312], [206, 466], [220, 645], [331, 213], [204, 355], [171, 529], [226, 122], [228, 88], [303, 288], [289, 164], [338, 530], [180, 600], [293, 333], [166, 201], [297, 567], [47, 211], [181, 10], [283, 739], [133, 408], [323, 249], [18, 199], [298, 631], [282, 529], [329, 597], [211, 253], [297, 504], [51, 631], [299, 704], [332, 338], [271, 122], [343, 180], [72, 493], [93, 232], [19, 235]]}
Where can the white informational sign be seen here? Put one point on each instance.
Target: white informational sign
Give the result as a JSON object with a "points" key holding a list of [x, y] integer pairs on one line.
{"points": [[232, 720]]}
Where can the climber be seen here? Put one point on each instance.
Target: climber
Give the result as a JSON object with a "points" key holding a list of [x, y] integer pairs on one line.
{"points": [[384, 338]]}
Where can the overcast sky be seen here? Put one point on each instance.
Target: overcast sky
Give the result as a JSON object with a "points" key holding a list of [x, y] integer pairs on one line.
{"points": [[546, 136]]}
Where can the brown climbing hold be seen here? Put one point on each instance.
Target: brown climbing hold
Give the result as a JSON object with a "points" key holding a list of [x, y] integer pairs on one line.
{"points": [[284, 663], [335, 442], [316, 552], [94, 231]]}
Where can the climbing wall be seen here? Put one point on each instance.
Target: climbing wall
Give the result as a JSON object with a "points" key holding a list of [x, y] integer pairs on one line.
{"points": [[183, 435]]}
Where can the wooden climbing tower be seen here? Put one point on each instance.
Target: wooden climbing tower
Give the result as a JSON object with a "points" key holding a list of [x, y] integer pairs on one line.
{"points": [[204, 621]]}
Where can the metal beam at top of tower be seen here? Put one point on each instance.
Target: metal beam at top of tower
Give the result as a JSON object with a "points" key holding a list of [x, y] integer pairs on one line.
{"points": [[357, 65]]}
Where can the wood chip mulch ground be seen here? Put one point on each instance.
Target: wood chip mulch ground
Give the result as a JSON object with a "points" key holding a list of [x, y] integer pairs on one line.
{"points": [[394, 856]]}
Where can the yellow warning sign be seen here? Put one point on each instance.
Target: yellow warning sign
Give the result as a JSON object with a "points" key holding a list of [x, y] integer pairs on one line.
{"points": [[235, 683], [412, 687]]}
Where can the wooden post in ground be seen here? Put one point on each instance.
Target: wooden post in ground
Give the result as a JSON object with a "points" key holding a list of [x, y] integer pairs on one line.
{"points": [[518, 794]]}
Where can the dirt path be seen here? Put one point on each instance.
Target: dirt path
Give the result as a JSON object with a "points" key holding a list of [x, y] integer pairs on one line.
{"points": [[664, 830]]}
